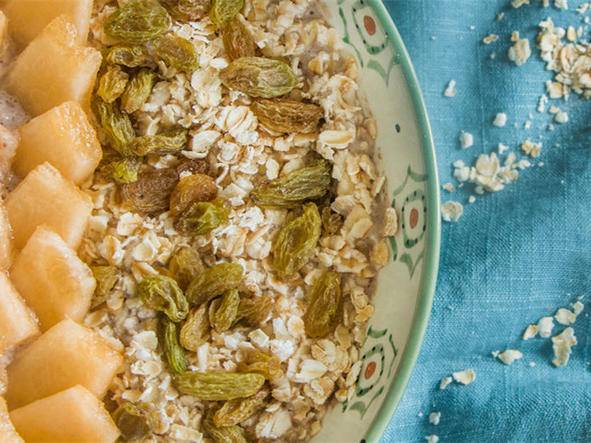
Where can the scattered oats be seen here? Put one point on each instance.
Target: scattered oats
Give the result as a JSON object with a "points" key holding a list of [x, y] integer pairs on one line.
{"points": [[500, 16], [565, 317], [568, 59], [531, 148], [545, 326], [584, 8], [500, 120], [571, 34], [472, 199], [561, 345], [502, 148], [508, 356], [434, 418], [527, 124], [490, 38], [530, 332], [450, 90], [542, 102], [561, 4], [466, 140], [432, 438], [520, 52], [578, 308], [519, 3], [561, 117], [532, 364], [487, 174], [449, 187], [445, 382], [464, 377], [452, 211]]}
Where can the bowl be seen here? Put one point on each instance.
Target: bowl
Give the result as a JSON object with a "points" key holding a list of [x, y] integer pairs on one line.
{"points": [[406, 285]]}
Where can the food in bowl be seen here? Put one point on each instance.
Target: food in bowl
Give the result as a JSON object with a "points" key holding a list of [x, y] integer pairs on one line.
{"points": [[195, 201]]}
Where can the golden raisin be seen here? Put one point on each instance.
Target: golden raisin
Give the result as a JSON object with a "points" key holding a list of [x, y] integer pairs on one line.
{"points": [[234, 412], [237, 40], [195, 329], [294, 244], [259, 77], [191, 189], [283, 115], [217, 386], [150, 194], [213, 282], [324, 310], [225, 314]]}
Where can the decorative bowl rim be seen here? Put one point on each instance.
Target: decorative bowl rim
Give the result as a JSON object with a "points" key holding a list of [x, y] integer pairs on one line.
{"points": [[431, 260]]}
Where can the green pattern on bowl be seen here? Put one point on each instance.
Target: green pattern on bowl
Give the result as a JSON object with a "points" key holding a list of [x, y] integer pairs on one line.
{"points": [[406, 285]]}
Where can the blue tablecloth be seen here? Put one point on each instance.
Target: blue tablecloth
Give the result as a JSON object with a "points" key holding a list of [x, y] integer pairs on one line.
{"points": [[515, 256]]}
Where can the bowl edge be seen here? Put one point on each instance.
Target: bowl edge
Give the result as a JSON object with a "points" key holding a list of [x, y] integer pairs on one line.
{"points": [[431, 261]]}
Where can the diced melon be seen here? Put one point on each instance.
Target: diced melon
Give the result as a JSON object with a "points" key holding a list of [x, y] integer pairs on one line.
{"points": [[29, 17], [66, 355], [62, 284], [73, 415], [62, 136], [17, 322], [7, 431], [44, 197], [54, 69], [5, 240], [3, 31]]}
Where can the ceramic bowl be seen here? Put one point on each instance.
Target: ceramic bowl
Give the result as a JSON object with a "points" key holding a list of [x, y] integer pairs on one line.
{"points": [[406, 285]]}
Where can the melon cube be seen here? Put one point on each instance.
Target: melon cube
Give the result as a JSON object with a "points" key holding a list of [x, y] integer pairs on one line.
{"points": [[29, 17], [45, 197], [63, 284], [66, 355], [3, 31], [7, 432], [62, 136], [5, 240], [73, 415], [17, 322], [54, 69]]}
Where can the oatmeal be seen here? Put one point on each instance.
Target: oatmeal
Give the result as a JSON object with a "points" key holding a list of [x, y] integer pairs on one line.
{"points": [[238, 217]]}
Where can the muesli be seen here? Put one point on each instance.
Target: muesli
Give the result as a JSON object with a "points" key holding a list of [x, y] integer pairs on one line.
{"points": [[238, 219]]}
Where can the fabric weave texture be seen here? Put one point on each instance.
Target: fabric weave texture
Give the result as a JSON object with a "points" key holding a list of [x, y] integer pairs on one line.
{"points": [[516, 255]]}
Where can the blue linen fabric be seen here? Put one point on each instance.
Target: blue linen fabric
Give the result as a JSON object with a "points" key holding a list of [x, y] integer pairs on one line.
{"points": [[516, 255]]}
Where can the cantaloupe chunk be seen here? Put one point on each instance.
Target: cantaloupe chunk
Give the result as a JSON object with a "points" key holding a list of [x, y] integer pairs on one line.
{"points": [[54, 69], [66, 355], [62, 136], [17, 322], [5, 240], [29, 17], [7, 432], [73, 415], [51, 278], [3, 31], [45, 197]]}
